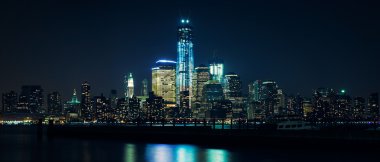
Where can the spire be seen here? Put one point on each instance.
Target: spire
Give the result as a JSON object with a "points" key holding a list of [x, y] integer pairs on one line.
{"points": [[74, 98], [130, 86]]}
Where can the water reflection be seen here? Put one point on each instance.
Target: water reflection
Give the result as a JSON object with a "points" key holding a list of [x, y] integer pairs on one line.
{"points": [[171, 153], [186, 153], [159, 153], [130, 153], [217, 155]]}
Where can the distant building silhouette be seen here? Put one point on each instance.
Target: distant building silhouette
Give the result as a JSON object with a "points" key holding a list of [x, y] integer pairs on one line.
{"points": [[144, 88], [9, 102], [155, 106], [373, 105], [31, 99], [54, 103], [85, 105]]}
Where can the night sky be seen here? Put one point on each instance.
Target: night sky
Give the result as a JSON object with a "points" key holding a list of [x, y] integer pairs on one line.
{"points": [[300, 44]]}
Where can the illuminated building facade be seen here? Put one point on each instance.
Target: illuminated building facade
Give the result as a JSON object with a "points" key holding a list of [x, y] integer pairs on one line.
{"points": [[125, 86], [373, 105], [268, 95], [323, 103], [233, 92], [358, 109], [201, 77], [73, 104], [185, 65], [113, 99], [256, 91], [154, 106], [163, 80], [217, 69], [233, 86], [121, 110], [212, 91], [130, 86], [134, 108], [31, 99], [342, 106], [101, 106], [86, 106], [54, 103]]}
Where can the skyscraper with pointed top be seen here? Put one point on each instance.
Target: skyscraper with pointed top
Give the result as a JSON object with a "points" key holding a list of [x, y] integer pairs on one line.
{"points": [[73, 106], [185, 65], [130, 86]]}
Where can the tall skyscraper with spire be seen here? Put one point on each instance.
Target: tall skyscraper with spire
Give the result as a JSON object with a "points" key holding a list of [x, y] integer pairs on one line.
{"points": [[185, 65], [130, 86]]}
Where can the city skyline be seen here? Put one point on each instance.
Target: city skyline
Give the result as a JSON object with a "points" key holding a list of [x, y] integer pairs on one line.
{"points": [[180, 90], [348, 71], [189, 80]]}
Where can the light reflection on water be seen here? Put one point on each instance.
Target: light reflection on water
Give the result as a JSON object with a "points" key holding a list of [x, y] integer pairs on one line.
{"points": [[217, 155], [16, 146], [174, 153], [130, 153]]}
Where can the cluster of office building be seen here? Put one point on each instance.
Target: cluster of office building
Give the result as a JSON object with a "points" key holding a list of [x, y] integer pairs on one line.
{"points": [[179, 89]]}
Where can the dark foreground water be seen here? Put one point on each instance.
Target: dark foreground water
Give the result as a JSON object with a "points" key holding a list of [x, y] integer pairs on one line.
{"points": [[26, 146]]}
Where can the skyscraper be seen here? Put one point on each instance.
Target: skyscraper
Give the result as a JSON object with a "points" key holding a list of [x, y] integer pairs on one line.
{"points": [[233, 92], [125, 86], [256, 90], [144, 88], [233, 86], [373, 105], [155, 105], [201, 76], [217, 69], [163, 80], [324, 103], [358, 109], [54, 103], [9, 102], [134, 110], [113, 99], [185, 64], [73, 104], [212, 91], [268, 95], [31, 99], [86, 106], [130, 86], [101, 108]]}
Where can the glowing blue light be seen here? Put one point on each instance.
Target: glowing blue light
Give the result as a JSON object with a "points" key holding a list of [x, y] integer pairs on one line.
{"points": [[159, 153], [182, 21], [186, 153], [217, 155], [165, 61], [187, 21]]}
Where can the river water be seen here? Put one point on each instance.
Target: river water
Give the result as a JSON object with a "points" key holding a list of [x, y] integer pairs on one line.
{"points": [[26, 146]]}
